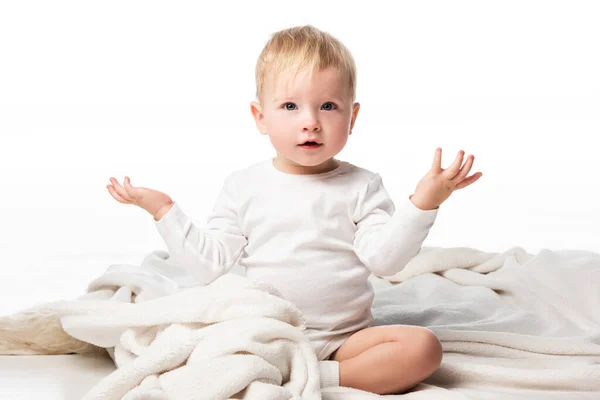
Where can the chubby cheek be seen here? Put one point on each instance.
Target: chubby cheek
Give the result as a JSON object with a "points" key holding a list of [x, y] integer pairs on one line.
{"points": [[278, 133], [339, 141], [281, 142], [277, 123]]}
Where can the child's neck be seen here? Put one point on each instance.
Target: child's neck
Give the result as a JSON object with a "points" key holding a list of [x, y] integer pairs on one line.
{"points": [[290, 167]]}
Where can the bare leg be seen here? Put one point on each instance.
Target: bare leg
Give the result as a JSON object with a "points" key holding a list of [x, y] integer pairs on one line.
{"points": [[388, 359]]}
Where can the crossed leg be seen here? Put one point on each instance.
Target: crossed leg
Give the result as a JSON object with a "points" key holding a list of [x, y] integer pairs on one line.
{"points": [[388, 359]]}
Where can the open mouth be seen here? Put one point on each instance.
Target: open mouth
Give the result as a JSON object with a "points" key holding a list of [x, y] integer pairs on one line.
{"points": [[310, 145]]}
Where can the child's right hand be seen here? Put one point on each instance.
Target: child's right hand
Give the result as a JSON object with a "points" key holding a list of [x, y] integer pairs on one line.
{"points": [[155, 202]]}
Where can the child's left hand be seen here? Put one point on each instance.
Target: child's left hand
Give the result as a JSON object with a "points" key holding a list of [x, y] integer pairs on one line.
{"points": [[438, 184]]}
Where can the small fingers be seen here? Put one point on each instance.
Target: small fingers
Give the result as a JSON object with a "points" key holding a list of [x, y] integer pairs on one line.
{"points": [[437, 160], [120, 190], [116, 195], [470, 180], [464, 171], [451, 171], [128, 187]]}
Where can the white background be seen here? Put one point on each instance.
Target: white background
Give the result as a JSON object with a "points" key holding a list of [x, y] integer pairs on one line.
{"points": [[161, 92]]}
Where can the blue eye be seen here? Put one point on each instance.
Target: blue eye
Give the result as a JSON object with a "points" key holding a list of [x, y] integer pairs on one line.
{"points": [[329, 106], [332, 105]]}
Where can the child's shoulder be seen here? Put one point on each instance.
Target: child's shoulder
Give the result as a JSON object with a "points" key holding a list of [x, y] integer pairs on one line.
{"points": [[360, 178], [360, 173]]}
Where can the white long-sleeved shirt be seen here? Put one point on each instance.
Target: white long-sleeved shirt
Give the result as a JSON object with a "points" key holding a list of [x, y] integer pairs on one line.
{"points": [[316, 238]]}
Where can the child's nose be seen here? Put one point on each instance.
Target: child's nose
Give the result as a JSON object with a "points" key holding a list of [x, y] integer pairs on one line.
{"points": [[311, 123]]}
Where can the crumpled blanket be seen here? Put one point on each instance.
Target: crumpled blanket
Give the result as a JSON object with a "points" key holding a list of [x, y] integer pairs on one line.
{"points": [[233, 338]]}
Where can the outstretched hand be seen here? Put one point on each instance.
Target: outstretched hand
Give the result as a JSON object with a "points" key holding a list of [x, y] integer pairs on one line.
{"points": [[155, 202], [438, 184]]}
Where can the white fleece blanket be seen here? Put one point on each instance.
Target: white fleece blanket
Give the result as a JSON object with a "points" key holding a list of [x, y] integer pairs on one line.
{"points": [[233, 338], [512, 325]]}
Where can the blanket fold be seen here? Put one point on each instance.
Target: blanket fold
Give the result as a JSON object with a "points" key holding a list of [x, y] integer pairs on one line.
{"points": [[512, 325], [234, 338]]}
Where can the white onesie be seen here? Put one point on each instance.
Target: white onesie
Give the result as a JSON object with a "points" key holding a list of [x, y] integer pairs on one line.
{"points": [[316, 238]]}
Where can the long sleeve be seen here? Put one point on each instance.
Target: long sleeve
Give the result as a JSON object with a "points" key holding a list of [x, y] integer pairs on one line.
{"points": [[209, 252], [385, 239]]}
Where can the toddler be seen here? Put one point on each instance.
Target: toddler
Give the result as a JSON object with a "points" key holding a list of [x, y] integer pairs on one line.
{"points": [[314, 226]]}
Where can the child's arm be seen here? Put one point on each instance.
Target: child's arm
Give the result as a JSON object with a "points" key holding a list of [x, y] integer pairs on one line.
{"points": [[209, 252], [385, 239], [206, 253]]}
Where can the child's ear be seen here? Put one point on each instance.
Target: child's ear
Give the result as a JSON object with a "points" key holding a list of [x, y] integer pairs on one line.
{"points": [[355, 109], [256, 110]]}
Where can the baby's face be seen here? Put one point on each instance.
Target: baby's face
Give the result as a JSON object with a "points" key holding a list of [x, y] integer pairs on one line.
{"points": [[301, 110]]}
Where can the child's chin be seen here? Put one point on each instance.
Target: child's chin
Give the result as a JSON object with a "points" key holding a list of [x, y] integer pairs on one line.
{"points": [[311, 162]]}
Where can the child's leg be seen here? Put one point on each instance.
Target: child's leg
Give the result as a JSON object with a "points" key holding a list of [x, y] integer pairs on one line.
{"points": [[388, 359]]}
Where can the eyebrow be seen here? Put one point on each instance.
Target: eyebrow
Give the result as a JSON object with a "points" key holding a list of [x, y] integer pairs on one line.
{"points": [[334, 97]]}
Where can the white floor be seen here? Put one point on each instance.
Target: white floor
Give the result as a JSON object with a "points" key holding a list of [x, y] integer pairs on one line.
{"points": [[65, 377]]}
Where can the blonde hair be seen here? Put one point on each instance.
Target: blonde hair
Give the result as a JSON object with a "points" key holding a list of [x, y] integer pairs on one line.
{"points": [[304, 47]]}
